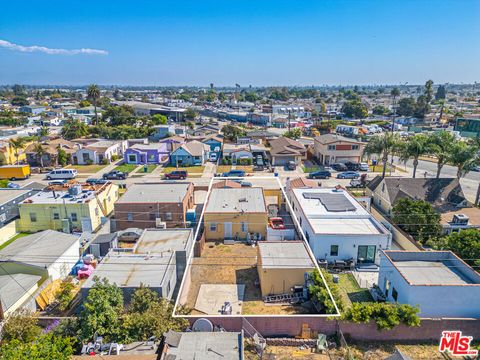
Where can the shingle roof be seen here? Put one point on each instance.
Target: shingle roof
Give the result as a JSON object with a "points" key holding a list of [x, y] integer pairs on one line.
{"points": [[286, 146], [195, 148]]}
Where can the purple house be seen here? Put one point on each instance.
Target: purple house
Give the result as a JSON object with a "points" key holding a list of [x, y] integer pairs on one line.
{"points": [[146, 154]]}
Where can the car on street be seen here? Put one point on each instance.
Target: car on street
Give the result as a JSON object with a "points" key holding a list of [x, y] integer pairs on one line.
{"points": [[352, 166], [292, 165], [348, 175], [93, 181], [321, 174], [115, 175], [339, 167], [234, 173], [176, 175]]}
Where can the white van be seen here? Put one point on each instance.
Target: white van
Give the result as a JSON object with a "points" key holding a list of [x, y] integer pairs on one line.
{"points": [[62, 174]]}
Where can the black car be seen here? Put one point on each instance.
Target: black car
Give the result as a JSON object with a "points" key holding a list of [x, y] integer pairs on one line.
{"points": [[352, 166], [339, 167], [115, 175], [321, 174], [96, 181]]}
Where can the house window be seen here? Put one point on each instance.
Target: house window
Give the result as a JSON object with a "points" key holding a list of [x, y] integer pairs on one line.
{"points": [[168, 288], [33, 217], [244, 227], [151, 157], [73, 216], [334, 250], [154, 216], [56, 216], [332, 147], [168, 216], [300, 221], [383, 187], [394, 294], [129, 217], [354, 147], [132, 158], [213, 227]]}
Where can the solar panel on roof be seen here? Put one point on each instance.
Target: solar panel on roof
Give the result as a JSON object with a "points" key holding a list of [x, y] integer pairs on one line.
{"points": [[332, 202]]}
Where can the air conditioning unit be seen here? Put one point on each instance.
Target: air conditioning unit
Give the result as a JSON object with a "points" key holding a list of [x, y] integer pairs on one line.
{"points": [[460, 219], [159, 224]]}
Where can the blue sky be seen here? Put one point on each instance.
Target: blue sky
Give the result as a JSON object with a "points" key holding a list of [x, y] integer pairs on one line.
{"points": [[246, 42]]}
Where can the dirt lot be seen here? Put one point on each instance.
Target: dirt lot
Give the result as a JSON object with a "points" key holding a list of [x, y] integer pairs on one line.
{"points": [[233, 264]]}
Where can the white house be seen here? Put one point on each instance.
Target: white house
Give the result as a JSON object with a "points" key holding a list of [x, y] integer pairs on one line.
{"points": [[98, 151], [439, 282], [337, 227]]}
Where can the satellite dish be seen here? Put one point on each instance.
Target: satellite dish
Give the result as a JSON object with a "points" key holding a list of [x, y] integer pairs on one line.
{"points": [[202, 325]]}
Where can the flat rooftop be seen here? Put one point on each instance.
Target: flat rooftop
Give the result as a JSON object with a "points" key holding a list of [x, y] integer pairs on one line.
{"points": [[284, 254], [60, 197], [11, 194], [246, 200], [128, 270], [345, 226], [329, 203], [156, 241], [155, 193], [14, 286]]}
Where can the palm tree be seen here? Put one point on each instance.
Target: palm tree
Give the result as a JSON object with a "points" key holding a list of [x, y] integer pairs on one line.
{"points": [[413, 148], [440, 145], [394, 94], [93, 93], [465, 157], [384, 144], [17, 144], [39, 152]]}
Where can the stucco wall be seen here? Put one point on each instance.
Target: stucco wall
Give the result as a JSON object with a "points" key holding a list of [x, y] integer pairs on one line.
{"points": [[257, 223]]}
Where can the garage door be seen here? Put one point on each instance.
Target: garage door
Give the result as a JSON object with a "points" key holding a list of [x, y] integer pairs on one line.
{"points": [[281, 161], [344, 159]]}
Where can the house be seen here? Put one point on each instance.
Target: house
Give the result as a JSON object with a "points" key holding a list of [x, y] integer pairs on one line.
{"points": [[32, 109], [236, 214], [282, 266], [101, 244], [9, 200], [301, 182], [440, 283], [144, 109], [161, 132], [50, 152], [444, 194], [155, 153], [148, 205], [31, 261], [8, 154], [157, 259], [72, 207], [333, 148], [215, 143], [173, 142], [220, 345], [236, 153], [98, 151], [190, 154], [261, 119], [337, 227], [283, 150]]}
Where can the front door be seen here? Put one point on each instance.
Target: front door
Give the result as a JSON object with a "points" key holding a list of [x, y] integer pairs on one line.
{"points": [[366, 254], [227, 230]]}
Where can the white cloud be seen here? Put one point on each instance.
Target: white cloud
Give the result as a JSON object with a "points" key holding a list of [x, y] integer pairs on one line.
{"points": [[42, 49]]}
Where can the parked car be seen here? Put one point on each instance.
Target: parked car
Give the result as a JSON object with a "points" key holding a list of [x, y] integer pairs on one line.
{"points": [[260, 160], [355, 183], [292, 165], [61, 174], [93, 181], [57, 182], [339, 167], [352, 166], [176, 175], [234, 173], [115, 175], [363, 167], [213, 157], [245, 184], [321, 174], [277, 223], [348, 175]]}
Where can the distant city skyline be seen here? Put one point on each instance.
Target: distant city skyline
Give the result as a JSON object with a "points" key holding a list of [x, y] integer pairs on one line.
{"points": [[267, 43]]}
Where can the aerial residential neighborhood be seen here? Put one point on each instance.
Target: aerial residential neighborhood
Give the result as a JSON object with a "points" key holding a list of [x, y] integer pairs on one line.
{"points": [[207, 180]]}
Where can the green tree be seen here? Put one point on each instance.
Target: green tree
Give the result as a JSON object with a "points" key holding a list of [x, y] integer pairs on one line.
{"points": [[158, 119], [231, 132], [417, 218], [464, 156], [84, 103], [43, 347], [355, 109], [465, 243], [406, 106], [39, 152], [18, 90], [319, 292], [93, 93], [74, 129], [190, 114], [251, 97], [295, 133], [422, 107], [62, 157], [19, 101], [102, 309], [17, 144], [119, 115], [44, 131], [380, 110], [65, 295], [441, 93], [413, 148], [428, 91], [441, 143], [22, 325], [384, 145]]}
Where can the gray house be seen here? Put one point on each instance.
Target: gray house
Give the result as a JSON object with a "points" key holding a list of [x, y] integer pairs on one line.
{"points": [[9, 200]]}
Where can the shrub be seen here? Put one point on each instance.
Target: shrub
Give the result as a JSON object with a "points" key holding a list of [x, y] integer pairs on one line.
{"points": [[22, 326], [114, 157], [89, 162], [319, 292], [65, 294]]}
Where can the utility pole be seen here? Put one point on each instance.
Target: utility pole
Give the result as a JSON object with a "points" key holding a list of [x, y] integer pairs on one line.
{"points": [[289, 117]]}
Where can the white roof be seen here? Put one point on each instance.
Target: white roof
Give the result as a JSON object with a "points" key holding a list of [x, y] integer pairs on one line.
{"points": [[245, 200], [344, 226]]}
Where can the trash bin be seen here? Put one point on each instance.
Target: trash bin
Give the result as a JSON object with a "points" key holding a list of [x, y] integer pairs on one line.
{"points": [[145, 168]]}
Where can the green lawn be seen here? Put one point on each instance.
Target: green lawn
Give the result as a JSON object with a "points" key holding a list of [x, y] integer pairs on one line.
{"points": [[87, 169], [189, 169], [350, 291], [128, 168], [150, 169], [5, 244], [310, 169]]}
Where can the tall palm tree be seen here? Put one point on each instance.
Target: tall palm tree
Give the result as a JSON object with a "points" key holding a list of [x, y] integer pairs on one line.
{"points": [[384, 144], [93, 93], [39, 152], [413, 148], [440, 145], [394, 93], [464, 156], [17, 144]]}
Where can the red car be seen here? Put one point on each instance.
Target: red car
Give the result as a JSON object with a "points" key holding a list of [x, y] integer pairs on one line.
{"points": [[176, 175], [277, 223]]}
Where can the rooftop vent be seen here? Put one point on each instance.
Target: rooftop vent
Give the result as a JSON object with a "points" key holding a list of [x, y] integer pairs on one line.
{"points": [[242, 200], [460, 219]]}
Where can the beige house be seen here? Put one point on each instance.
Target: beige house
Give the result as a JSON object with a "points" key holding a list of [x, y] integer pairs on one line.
{"points": [[333, 148], [283, 150], [282, 265]]}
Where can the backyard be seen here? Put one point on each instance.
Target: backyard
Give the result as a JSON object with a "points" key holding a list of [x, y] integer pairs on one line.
{"points": [[350, 291]]}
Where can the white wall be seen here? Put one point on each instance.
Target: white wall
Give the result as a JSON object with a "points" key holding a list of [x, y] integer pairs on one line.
{"points": [[64, 264]]}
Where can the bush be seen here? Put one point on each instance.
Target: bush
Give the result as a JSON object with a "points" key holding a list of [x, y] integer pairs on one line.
{"points": [[65, 294], [89, 162], [21, 326], [115, 157], [105, 161], [319, 292]]}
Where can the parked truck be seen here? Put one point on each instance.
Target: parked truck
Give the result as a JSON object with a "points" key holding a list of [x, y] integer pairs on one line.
{"points": [[15, 172]]}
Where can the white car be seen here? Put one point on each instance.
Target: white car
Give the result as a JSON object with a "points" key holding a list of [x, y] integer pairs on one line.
{"points": [[213, 157], [363, 167], [62, 174]]}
